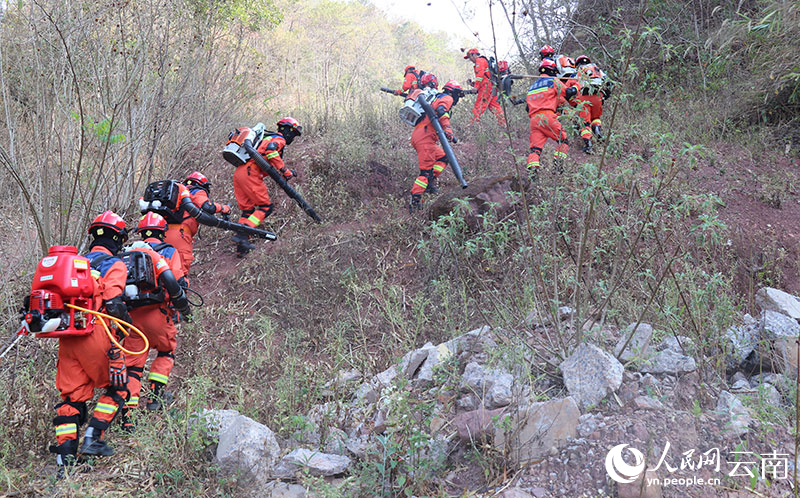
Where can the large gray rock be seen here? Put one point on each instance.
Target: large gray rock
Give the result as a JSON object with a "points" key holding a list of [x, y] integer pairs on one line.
{"points": [[494, 386], [743, 339], [214, 421], [768, 298], [779, 326], [669, 362], [533, 430], [473, 425], [735, 414], [436, 355], [637, 347], [590, 374], [246, 446], [278, 489], [314, 462]]}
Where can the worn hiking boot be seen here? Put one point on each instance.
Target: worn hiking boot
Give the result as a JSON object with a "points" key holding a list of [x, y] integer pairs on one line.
{"points": [[533, 174], [93, 445], [598, 132], [587, 146], [415, 204], [243, 244], [159, 401], [432, 188]]}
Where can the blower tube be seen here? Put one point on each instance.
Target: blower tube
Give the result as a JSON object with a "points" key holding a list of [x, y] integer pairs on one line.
{"points": [[448, 151], [280, 180], [212, 221]]}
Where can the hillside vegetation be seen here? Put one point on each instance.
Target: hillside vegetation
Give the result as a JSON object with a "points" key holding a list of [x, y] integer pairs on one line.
{"points": [[680, 217]]}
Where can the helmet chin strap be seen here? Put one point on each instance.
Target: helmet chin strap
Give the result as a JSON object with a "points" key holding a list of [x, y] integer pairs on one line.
{"points": [[107, 242]]}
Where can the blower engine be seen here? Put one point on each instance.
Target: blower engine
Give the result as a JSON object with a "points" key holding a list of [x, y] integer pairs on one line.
{"points": [[141, 288], [235, 151], [61, 278], [412, 110]]}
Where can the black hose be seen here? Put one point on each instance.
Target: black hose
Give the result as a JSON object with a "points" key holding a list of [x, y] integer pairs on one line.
{"points": [[281, 181], [187, 290], [448, 151], [212, 221]]}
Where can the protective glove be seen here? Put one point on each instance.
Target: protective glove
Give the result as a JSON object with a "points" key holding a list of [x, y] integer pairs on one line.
{"points": [[117, 373], [450, 137], [181, 305], [289, 174], [398, 92], [226, 209]]}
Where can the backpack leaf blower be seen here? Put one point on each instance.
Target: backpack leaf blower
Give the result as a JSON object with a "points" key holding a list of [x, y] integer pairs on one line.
{"points": [[451, 157], [162, 197], [240, 149]]}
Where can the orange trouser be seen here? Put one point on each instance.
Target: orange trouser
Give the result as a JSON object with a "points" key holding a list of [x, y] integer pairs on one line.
{"points": [[180, 237], [544, 125], [156, 323], [590, 112], [251, 195], [82, 368], [485, 100], [432, 159]]}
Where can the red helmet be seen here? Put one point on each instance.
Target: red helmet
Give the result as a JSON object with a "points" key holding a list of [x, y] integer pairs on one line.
{"points": [[547, 51], [548, 67], [199, 180], [429, 80], [109, 220], [582, 59], [152, 221], [292, 124], [451, 86], [409, 68], [502, 66], [471, 52]]}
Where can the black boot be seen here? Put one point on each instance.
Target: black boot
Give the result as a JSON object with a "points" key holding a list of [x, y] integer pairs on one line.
{"points": [[533, 174], [159, 398], [93, 445], [587, 146], [126, 422], [65, 457], [432, 188], [415, 204], [243, 244], [598, 132], [559, 165]]}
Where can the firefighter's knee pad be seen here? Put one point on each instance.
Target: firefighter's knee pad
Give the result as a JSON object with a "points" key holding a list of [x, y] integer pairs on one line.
{"points": [[80, 417], [168, 354], [537, 150], [442, 159], [266, 208], [136, 372]]}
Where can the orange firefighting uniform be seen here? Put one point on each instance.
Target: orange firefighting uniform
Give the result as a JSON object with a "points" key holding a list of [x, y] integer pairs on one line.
{"points": [[83, 363], [158, 324], [411, 81], [486, 96], [544, 97], [248, 181], [431, 157], [589, 100], [179, 235]]}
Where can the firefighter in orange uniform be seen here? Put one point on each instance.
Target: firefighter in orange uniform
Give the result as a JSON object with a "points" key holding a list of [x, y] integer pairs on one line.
{"points": [[591, 96], [431, 157], [547, 52], [483, 82], [411, 80], [545, 95], [89, 362], [152, 314], [181, 235], [248, 180]]}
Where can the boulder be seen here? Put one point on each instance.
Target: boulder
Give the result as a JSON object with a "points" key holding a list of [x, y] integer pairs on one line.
{"points": [[768, 298], [365, 394], [213, 422], [647, 403], [637, 347], [473, 425], [679, 344], [778, 326], [314, 462], [743, 339], [278, 489], [343, 378], [414, 359], [534, 429], [436, 355], [500, 394], [783, 356], [734, 413], [494, 386], [669, 362], [248, 447], [590, 374], [485, 194]]}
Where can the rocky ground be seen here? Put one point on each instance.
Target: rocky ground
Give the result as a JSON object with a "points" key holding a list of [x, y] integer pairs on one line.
{"points": [[461, 405]]}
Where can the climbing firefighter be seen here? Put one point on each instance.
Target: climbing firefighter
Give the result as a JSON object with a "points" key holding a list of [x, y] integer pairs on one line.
{"points": [[547, 52], [152, 314], [183, 228], [248, 184], [431, 157], [594, 90], [483, 83], [410, 80], [90, 362], [545, 95], [504, 81]]}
